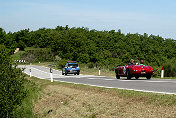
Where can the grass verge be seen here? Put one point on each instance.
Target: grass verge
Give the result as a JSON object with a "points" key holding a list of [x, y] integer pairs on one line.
{"points": [[69, 100], [24, 110]]}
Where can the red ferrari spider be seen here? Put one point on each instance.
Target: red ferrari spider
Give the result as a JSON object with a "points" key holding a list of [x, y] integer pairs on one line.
{"points": [[134, 71]]}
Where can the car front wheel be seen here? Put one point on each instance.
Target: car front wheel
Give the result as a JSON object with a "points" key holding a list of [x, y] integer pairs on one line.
{"points": [[128, 74], [62, 72], [148, 77]]}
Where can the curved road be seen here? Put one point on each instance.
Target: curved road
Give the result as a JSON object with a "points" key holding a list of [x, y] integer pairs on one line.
{"points": [[163, 86]]}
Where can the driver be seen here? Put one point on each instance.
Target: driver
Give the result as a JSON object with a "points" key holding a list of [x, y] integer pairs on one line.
{"points": [[141, 62], [131, 62]]}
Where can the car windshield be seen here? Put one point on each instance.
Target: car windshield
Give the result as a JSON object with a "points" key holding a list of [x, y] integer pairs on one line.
{"points": [[73, 65]]}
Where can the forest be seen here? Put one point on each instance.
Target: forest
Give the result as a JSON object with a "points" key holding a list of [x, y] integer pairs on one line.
{"points": [[99, 48]]}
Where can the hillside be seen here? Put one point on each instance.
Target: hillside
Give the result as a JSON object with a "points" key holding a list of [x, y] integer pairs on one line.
{"points": [[100, 48]]}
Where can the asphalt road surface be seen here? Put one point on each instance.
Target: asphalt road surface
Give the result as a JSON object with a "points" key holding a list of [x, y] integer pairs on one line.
{"points": [[163, 86]]}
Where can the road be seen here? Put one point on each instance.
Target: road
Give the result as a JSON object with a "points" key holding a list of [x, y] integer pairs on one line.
{"points": [[163, 86]]}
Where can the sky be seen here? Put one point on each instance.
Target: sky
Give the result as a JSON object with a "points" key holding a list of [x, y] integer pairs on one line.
{"points": [[157, 17]]}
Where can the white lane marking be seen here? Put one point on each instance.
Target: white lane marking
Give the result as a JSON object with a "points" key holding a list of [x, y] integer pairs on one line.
{"points": [[109, 79], [122, 88], [78, 76], [59, 75], [162, 81], [43, 71], [35, 76], [94, 78], [129, 80], [112, 87], [148, 81], [101, 76], [67, 76]]}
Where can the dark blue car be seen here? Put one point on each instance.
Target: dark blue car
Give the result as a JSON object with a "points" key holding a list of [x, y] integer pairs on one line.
{"points": [[71, 67]]}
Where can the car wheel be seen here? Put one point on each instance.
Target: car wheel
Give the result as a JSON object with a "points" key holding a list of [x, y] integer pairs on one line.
{"points": [[148, 77], [62, 72], [117, 75], [77, 73], [65, 73], [128, 74], [74, 73], [137, 77]]}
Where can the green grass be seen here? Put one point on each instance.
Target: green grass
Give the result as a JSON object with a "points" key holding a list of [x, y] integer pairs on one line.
{"points": [[166, 78], [32, 48], [94, 71], [25, 109], [59, 99], [17, 56]]}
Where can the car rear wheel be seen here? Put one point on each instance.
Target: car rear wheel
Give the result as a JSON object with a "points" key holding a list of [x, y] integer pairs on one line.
{"points": [[148, 77], [77, 73], [117, 75], [128, 74], [74, 73], [62, 72]]}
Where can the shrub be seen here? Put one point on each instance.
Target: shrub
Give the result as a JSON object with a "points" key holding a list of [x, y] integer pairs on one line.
{"points": [[170, 68], [11, 84], [157, 71], [61, 64], [91, 65], [38, 55]]}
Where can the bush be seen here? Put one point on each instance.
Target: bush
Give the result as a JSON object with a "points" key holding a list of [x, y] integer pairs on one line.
{"points": [[170, 68], [157, 71], [91, 65], [11, 84], [38, 55], [61, 64], [84, 58]]}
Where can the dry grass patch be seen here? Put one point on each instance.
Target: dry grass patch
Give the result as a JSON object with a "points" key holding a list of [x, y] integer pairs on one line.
{"points": [[65, 100]]}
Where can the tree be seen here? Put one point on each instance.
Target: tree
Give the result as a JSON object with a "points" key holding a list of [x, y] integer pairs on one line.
{"points": [[11, 84]]}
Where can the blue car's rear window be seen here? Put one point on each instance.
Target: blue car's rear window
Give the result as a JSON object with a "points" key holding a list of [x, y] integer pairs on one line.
{"points": [[73, 65]]}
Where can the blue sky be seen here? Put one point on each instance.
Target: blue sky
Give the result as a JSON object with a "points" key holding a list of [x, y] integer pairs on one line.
{"points": [[156, 17]]}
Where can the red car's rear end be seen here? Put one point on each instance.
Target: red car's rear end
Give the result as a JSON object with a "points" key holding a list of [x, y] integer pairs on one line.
{"points": [[140, 71], [134, 71]]}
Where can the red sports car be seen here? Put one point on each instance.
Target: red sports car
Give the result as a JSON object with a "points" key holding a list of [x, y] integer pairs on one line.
{"points": [[134, 71]]}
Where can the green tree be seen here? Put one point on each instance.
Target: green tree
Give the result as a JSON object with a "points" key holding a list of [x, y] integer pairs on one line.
{"points": [[11, 84]]}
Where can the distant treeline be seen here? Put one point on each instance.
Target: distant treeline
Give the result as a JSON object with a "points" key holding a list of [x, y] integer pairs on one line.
{"points": [[105, 48]]}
